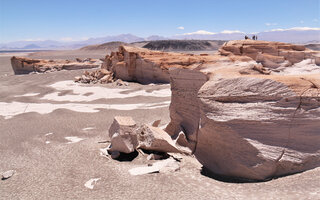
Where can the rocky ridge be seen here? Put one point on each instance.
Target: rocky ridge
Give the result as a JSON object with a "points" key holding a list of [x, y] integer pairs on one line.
{"points": [[22, 65]]}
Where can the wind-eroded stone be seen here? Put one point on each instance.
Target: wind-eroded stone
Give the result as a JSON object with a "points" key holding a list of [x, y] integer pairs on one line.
{"points": [[246, 120], [22, 65]]}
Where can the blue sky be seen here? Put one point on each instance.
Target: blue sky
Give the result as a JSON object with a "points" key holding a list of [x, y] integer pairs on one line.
{"points": [[75, 20]]}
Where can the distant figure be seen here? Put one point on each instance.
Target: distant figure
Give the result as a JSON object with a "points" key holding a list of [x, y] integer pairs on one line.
{"points": [[254, 37], [246, 37]]}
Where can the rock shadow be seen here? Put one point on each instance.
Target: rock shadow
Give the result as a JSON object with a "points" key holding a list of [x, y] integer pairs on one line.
{"points": [[227, 179], [127, 157]]}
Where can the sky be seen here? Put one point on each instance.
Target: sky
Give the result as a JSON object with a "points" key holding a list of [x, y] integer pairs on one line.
{"points": [[68, 20]]}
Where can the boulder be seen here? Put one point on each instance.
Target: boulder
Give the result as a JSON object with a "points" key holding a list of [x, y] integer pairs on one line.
{"points": [[127, 136], [123, 134], [156, 139]]}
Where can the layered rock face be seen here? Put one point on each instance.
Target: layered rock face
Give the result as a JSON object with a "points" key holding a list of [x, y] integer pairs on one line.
{"points": [[22, 65], [146, 66], [249, 120], [269, 54]]}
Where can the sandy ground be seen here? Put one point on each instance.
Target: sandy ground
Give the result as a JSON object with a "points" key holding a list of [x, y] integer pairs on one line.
{"points": [[49, 134]]}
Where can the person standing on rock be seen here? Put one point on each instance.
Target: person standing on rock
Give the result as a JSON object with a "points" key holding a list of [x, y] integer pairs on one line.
{"points": [[246, 37], [254, 37]]}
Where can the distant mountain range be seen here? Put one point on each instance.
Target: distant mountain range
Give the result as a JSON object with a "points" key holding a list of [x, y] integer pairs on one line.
{"points": [[293, 35]]}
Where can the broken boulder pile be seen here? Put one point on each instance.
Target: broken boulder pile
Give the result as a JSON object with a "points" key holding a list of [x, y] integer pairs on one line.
{"points": [[127, 136], [97, 76], [22, 65]]}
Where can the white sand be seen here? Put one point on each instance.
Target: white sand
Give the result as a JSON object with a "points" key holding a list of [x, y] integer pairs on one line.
{"points": [[96, 92], [27, 95], [90, 183], [88, 128], [8, 110], [48, 134], [73, 139]]}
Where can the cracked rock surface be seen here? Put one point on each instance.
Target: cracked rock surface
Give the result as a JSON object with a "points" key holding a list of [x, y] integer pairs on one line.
{"points": [[245, 123]]}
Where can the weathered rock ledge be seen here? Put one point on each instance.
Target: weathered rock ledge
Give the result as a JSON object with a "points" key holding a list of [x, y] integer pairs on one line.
{"points": [[146, 66], [22, 65]]}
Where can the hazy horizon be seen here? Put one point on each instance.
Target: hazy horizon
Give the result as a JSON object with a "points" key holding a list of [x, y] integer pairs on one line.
{"points": [[68, 21]]}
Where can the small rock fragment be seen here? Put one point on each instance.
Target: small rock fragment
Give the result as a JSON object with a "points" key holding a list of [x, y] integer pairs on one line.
{"points": [[7, 174], [90, 183]]}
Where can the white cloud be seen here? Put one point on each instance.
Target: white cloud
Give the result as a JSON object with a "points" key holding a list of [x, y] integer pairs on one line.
{"points": [[230, 32], [33, 40], [180, 28], [271, 24], [301, 21], [203, 32], [297, 29], [200, 32]]}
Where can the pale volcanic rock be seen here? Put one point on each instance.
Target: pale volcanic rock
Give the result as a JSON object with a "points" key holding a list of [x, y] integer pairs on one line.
{"points": [[146, 66], [250, 121], [251, 111], [257, 128], [22, 65], [156, 139], [270, 54], [97, 76], [123, 135], [127, 136]]}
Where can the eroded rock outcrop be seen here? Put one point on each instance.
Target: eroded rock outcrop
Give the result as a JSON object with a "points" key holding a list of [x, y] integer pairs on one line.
{"points": [[251, 111], [247, 119], [22, 65], [270, 54], [146, 66]]}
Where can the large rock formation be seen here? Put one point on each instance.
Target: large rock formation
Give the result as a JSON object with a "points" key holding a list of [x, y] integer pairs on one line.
{"points": [[250, 111], [146, 66], [248, 119], [22, 65]]}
